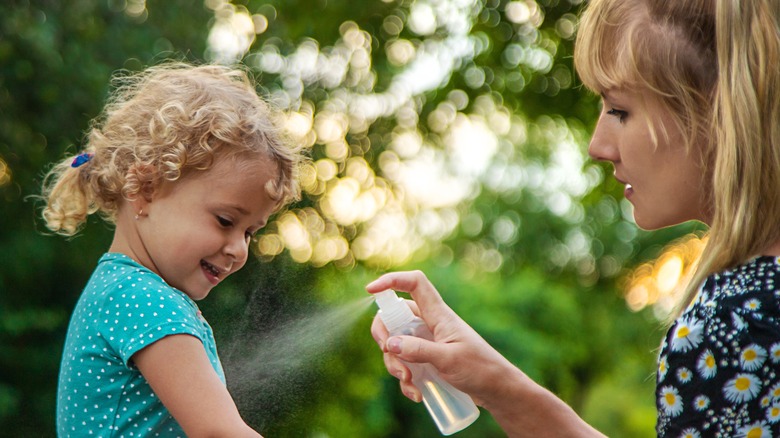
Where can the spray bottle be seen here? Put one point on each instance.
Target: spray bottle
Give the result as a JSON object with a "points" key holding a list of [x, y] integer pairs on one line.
{"points": [[451, 409]]}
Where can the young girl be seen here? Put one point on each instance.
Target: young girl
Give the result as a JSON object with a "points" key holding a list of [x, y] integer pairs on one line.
{"points": [[691, 124], [187, 163]]}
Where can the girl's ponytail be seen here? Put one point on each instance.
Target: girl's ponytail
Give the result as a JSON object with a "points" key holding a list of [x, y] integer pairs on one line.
{"points": [[68, 195], [746, 137]]}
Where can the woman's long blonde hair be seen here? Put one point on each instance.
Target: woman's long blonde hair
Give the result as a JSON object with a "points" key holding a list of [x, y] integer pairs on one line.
{"points": [[159, 125], [714, 65]]}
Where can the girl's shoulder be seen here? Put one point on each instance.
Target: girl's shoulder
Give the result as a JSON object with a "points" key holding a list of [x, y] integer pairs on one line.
{"points": [[118, 277]]}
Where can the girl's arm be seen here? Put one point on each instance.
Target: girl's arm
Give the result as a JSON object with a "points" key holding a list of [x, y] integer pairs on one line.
{"points": [[182, 376]]}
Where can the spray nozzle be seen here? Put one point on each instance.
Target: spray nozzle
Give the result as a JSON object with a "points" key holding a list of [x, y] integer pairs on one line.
{"points": [[393, 310]]}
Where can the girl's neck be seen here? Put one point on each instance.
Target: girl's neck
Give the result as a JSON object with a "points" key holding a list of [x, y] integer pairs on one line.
{"points": [[126, 240]]}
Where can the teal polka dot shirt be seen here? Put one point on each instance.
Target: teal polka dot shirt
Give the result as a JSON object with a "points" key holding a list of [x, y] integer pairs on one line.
{"points": [[124, 308]]}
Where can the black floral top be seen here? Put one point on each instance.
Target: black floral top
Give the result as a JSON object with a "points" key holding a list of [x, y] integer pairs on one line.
{"points": [[719, 367]]}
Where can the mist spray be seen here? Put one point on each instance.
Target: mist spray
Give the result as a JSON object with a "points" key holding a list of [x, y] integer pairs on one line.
{"points": [[452, 410]]}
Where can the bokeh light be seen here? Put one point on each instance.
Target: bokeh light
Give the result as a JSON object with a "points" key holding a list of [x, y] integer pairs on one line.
{"points": [[233, 31], [381, 211], [661, 282], [5, 173]]}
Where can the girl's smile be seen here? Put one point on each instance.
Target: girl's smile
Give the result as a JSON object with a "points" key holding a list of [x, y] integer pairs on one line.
{"points": [[188, 163], [195, 232], [212, 272]]}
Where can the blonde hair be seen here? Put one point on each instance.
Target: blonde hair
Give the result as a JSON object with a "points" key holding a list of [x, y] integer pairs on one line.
{"points": [[664, 48], [158, 126], [713, 65]]}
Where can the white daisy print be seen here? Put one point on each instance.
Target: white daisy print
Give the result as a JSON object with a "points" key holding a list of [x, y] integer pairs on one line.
{"points": [[773, 413], [684, 375], [670, 401], [706, 365], [752, 304], [663, 367], [690, 433], [765, 401], [738, 322], [774, 391], [758, 429], [701, 402], [774, 352], [752, 357], [687, 335], [743, 387]]}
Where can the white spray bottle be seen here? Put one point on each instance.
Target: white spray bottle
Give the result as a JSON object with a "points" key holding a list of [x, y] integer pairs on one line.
{"points": [[451, 409]]}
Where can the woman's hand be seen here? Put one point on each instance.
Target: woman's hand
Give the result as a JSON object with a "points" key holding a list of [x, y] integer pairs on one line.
{"points": [[458, 352], [520, 406]]}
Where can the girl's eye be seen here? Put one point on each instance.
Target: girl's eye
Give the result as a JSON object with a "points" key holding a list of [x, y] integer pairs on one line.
{"points": [[620, 114], [224, 221]]}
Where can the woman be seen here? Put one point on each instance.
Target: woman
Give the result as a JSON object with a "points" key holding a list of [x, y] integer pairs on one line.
{"points": [[691, 124]]}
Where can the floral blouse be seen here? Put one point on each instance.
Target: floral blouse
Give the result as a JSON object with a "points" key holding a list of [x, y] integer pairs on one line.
{"points": [[719, 367]]}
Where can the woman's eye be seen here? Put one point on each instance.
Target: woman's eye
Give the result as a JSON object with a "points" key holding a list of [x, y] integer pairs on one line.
{"points": [[620, 114], [224, 221]]}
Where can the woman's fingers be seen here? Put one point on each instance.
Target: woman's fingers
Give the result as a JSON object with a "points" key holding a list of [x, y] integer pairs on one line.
{"points": [[411, 392], [431, 306], [404, 375], [413, 282], [379, 332], [397, 368]]}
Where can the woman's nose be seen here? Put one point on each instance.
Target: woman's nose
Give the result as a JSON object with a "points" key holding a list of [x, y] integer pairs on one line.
{"points": [[602, 146]]}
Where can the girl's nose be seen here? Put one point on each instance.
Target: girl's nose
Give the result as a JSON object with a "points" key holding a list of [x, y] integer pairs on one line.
{"points": [[237, 248]]}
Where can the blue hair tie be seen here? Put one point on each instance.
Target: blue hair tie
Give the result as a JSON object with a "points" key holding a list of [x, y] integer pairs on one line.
{"points": [[81, 158]]}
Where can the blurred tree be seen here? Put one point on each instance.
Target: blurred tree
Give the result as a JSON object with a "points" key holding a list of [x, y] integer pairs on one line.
{"points": [[445, 135]]}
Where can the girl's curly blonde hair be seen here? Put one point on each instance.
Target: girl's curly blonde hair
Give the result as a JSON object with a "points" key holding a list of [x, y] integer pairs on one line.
{"points": [[158, 126]]}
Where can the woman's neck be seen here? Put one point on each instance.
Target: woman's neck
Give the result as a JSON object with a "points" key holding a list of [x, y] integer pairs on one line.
{"points": [[773, 249]]}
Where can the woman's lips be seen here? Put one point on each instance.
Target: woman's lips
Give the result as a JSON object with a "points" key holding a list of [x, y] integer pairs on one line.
{"points": [[628, 191]]}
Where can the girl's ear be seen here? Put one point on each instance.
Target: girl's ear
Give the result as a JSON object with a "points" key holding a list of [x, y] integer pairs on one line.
{"points": [[144, 181]]}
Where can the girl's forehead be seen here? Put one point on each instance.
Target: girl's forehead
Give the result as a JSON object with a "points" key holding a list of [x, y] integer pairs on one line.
{"points": [[228, 170], [242, 164]]}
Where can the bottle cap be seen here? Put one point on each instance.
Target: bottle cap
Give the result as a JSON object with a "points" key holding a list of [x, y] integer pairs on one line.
{"points": [[393, 310]]}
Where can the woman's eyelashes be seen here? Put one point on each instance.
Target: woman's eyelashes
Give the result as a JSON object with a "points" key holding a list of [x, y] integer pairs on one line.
{"points": [[620, 114]]}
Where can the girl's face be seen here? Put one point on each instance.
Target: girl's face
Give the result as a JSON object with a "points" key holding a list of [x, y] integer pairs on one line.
{"points": [[196, 231], [664, 182]]}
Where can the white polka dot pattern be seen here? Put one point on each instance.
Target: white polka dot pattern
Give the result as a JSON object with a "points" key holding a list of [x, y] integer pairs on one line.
{"points": [[124, 308]]}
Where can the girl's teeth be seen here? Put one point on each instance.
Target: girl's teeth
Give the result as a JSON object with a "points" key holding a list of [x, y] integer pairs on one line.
{"points": [[211, 268]]}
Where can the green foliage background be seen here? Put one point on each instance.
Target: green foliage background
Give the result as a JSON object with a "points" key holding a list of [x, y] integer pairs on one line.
{"points": [[563, 322]]}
